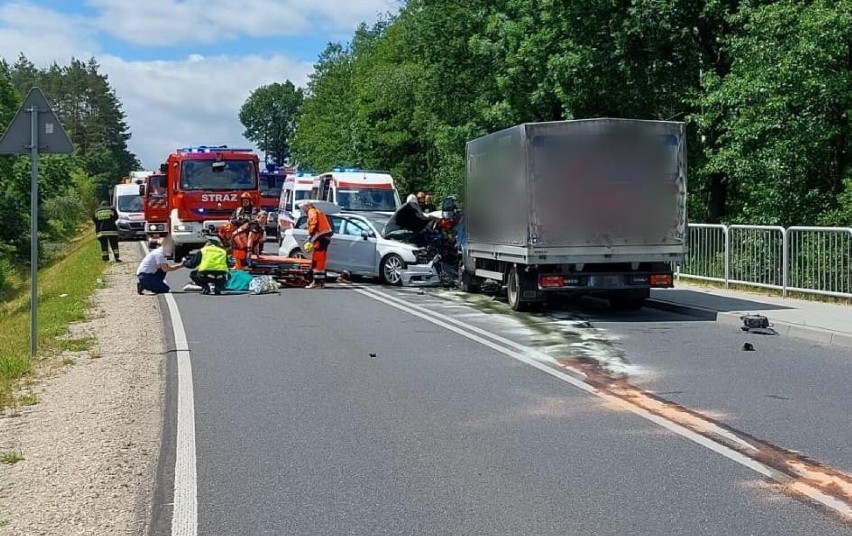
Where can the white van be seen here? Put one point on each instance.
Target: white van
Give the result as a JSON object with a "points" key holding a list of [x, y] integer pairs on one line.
{"points": [[296, 188], [355, 190], [127, 201]]}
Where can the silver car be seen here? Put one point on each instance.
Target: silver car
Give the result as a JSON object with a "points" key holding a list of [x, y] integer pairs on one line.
{"points": [[359, 247]]}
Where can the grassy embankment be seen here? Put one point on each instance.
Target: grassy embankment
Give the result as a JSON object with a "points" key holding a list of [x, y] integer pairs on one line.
{"points": [[65, 286]]}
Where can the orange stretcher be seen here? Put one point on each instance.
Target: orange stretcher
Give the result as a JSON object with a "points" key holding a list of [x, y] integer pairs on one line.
{"points": [[286, 270]]}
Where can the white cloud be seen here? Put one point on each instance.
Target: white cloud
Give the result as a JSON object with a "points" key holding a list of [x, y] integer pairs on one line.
{"points": [[170, 104], [40, 33], [170, 22]]}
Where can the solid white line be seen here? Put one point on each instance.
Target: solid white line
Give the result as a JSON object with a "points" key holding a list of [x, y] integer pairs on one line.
{"points": [[185, 510], [466, 330]]}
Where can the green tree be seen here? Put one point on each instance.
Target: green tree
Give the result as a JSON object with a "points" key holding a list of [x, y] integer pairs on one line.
{"points": [[269, 116], [325, 131]]}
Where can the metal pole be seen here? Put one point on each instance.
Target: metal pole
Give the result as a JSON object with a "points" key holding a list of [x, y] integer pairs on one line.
{"points": [[34, 233]]}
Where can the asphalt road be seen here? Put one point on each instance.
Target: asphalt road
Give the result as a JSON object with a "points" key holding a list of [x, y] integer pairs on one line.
{"points": [[330, 412]]}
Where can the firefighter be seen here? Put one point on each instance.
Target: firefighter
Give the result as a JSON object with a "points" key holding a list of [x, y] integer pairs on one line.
{"points": [[319, 229], [248, 239], [212, 269], [106, 230], [245, 212]]}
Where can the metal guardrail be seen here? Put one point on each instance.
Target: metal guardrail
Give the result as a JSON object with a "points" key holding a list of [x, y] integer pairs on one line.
{"points": [[809, 260]]}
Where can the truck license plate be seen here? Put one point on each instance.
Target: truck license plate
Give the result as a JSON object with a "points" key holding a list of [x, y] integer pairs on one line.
{"points": [[604, 281]]}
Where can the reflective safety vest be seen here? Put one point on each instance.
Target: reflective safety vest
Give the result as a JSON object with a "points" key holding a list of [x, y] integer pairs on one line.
{"points": [[104, 220], [318, 224], [213, 259]]}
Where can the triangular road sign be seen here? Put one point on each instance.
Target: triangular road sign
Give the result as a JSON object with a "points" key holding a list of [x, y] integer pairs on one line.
{"points": [[51, 136]]}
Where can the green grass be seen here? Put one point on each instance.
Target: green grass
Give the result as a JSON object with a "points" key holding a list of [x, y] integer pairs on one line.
{"points": [[5, 522], [75, 275], [12, 457], [28, 399], [76, 345]]}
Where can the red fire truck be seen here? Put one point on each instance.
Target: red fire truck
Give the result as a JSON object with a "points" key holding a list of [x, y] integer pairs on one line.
{"points": [[202, 189], [271, 181], [156, 207]]}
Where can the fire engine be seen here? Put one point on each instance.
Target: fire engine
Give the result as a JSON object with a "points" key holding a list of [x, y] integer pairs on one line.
{"points": [[156, 207], [202, 187], [271, 181]]}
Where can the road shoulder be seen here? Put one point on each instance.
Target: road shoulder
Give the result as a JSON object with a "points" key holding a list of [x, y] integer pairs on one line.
{"points": [[91, 444]]}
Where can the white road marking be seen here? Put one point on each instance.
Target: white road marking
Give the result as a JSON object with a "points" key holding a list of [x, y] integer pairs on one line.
{"points": [[185, 511], [537, 360]]}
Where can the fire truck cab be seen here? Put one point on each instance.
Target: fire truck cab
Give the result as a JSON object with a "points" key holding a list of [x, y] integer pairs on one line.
{"points": [[203, 188], [156, 206]]}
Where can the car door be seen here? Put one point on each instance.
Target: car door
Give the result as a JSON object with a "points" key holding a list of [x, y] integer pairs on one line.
{"points": [[360, 243], [337, 251], [300, 236]]}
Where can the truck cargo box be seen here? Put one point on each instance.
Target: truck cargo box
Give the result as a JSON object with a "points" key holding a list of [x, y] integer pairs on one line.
{"points": [[585, 186]]}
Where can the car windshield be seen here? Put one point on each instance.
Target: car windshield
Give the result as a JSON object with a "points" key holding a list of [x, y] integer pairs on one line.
{"points": [[270, 185], [129, 203], [367, 199], [237, 175], [303, 194], [378, 221]]}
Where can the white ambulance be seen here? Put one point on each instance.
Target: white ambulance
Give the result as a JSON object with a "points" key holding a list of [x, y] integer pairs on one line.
{"points": [[355, 190], [296, 187]]}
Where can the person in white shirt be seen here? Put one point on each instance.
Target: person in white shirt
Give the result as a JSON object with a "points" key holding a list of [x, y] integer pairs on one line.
{"points": [[151, 273]]}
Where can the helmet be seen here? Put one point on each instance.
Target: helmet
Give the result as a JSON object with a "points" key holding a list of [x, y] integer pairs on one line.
{"points": [[307, 247], [245, 195]]}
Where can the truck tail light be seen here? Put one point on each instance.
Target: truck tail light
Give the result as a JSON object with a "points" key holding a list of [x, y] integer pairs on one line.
{"points": [[661, 280], [551, 281]]}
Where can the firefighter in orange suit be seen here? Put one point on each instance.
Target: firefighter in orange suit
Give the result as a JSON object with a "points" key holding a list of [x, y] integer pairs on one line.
{"points": [[319, 229]]}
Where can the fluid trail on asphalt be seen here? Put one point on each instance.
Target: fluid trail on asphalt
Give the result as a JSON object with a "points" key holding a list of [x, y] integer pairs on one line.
{"points": [[796, 475]]}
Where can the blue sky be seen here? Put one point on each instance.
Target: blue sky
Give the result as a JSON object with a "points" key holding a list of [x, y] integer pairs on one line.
{"points": [[182, 68]]}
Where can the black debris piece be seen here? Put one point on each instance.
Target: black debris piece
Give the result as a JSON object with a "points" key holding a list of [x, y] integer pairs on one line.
{"points": [[757, 324]]}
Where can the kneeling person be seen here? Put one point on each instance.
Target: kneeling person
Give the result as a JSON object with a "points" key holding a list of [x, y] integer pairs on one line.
{"points": [[151, 273], [212, 269]]}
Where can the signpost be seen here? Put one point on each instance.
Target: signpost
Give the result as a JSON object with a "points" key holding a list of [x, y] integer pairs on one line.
{"points": [[38, 132]]}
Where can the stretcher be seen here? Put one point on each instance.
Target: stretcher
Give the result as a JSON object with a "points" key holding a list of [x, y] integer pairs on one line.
{"points": [[286, 270]]}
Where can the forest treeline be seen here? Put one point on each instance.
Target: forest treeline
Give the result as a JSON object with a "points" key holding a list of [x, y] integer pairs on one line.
{"points": [[70, 186], [765, 88]]}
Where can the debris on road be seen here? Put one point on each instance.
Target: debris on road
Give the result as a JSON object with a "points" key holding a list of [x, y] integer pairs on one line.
{"points": [[757, 324], [748, 347]]}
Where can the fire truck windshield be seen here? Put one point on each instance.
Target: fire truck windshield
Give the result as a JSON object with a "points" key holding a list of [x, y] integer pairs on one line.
{"points": [[270, 185], [200, 175]]}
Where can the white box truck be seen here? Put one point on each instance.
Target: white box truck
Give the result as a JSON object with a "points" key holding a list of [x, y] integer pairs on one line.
{"points": [[592, 206]]}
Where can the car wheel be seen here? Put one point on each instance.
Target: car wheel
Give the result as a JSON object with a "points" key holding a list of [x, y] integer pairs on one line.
{"points": [[298, 254], [391, 269]]}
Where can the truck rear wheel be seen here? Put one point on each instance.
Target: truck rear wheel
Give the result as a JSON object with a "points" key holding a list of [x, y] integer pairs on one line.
{"points": [[518, 284]]}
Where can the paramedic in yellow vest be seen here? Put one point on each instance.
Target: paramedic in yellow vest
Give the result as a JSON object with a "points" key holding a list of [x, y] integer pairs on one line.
{"points": [[212, 268], [106, 230]]}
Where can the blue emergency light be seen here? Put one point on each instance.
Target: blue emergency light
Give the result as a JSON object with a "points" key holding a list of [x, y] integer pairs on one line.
{"points": [[212, 149]]}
